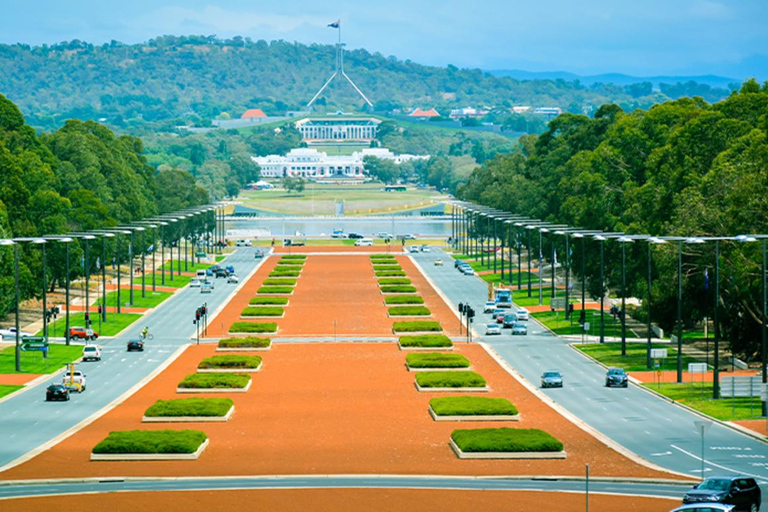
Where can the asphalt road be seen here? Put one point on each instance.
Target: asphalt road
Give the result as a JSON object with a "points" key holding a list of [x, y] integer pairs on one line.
{"points": [[658, 431], [28, 423]]}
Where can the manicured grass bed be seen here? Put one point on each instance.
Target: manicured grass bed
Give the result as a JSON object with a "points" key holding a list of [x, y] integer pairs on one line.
{"points": [[294, 257], [382, 257], [436, 360], [450, 380], [398, 288], [151, 441], [409, 311], [635, 361], [205, 407], [472, 406], [272, 281], [263, 311], [417, 326], [152, 299], [403, 299], [7, 389], [382, 268], [114, 324], [215, 381], [284, 273], [268, 301], [426, 340], [33, 362], [394, 280], [285, 290], [296, 264], [229, 362], [505, 440], [178, 281], [253, 327], [390, 273], [247, 342], [287, 268]]}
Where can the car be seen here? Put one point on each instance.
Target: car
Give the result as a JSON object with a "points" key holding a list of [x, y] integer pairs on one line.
{"points": [[355, 236], [383, 234], [704, 507], [508, 319], [741, 491], [424, 248], [258, 254], [195, 282], [220, 272], [468, 271], [230, 269], [200, 274], [11, 333], [551, 379], [489, 307], [519, 328], [232, 278], [498, 315], [135, 344], [74, 380], [522, 315], [91, 353], [242, 243], [413, 248], [364, 242], [209, 272], [438, 262], [82, 333], [408, 236], [616, 377], [206, 287], [458, 263], [492, 329], [56, 392]]}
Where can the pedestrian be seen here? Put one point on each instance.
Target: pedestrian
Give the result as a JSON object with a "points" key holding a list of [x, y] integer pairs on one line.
{"points": [[273, 242]]}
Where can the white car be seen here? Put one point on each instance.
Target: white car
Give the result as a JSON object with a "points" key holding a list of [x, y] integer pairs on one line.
{"points": [[413, 248], [232, 278], [492, 329], [76, 381], [489, 307], [383, 234], [522, 315], [364, 242], [424, 248], [11, 333], [439, 262], [195, 282], [91, 353]]}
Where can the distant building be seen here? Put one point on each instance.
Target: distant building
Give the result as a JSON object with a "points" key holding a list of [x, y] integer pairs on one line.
{"points": [[548, 111], [459, 113], [522, 109], [334, 129], [311, 163], [253, 113], [424, 114]]}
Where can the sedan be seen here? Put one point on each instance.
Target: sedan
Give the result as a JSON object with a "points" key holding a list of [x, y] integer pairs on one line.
{"points": [[424, 248], [704, 507], [195, 283], [492, 329], [56, 392], [232, 278], [551, 379], [518, 328], [413, 248], [135, 344], [438, 262], [206, 288], [616, 377], [489, 307], [11, 333]]}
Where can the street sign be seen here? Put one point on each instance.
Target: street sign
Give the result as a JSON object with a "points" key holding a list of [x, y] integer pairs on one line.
{"points": [[200, 254], [697, 367], [586, 326], [740, 386], [658, 353], [33, 343], [764, 393], [557, 303]]}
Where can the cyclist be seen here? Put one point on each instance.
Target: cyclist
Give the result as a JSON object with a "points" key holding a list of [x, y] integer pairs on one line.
{"points": [[145, 332]]}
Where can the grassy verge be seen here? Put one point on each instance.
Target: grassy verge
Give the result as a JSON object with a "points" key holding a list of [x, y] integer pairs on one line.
{"points": [[229, 362], [559, 325], [33, 362], [437, 360], [204, 407], [215, 381], [247, 342], [291, 267], [284, 273], [301, 257], [403, 299], [417, 326], [425, 340], [409, 311], [285, 290], [394, 280], [268, 301], [272, 281], [390, 273], [635, 361], [153, 299], [472, 405], [383, 257], [382, 267], [505, 440], [114, 324], [255, 327], [263, 311], [151, 441], [295, 264], [178, 281], [450, 380], [698, 395], [191, 266], [399, 288], [7, 389]]}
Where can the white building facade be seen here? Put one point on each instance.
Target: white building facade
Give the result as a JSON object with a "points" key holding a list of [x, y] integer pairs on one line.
{"points": [[338, 129]]}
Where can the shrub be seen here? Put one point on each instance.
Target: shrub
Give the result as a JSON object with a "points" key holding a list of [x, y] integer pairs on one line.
{"points": [[246, 342], [450, 380], [268, 301], [286, 290], [403, 299], [263, 311], [284, 273], [297, 264], [380, 268], [390, 273], [394, 280], [272, 281], [215, 381], [382, 256], [253, 327], [398, 288], [409, 311], [417, 326], [437, 360], [229, 362], [426, 340], [472, 405], [151, 441], [294, 257], [505, 440], [206, 407], [288, 268]]}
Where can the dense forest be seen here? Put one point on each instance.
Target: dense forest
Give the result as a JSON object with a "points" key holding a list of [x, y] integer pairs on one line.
{"points": [[681, 168], [81, 177], [192, 79]]}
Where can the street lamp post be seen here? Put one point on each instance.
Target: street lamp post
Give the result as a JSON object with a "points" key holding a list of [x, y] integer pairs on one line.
{"points": [[7, 242], [624, 241]]}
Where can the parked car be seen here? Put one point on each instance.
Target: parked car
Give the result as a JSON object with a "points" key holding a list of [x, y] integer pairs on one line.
{"points": [[408, 236], [383, 234], [741, 491], [11, 333], [355, 236], [91, 353], [616, 377], [424, 248], [519, 328], [195, 282], [551, 379], [206, 288], [438, 262], [489, 307], [704, 507], [509, 319], [492, 329], [82, 333], [135, 344], [522, 315], [364, 242], [242, 243], [56, 392], [413, 248], [232, 278], [74, 381]]}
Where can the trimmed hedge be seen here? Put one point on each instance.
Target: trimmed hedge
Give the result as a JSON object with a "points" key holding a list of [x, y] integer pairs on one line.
{"points": [[380, 268], [297, 264], [472, 406], [288, 268], [280, 281], [403, 299], [247, 342], [394, 280], [450, 380], [215, 381], [204, 407], [426, 340], [284, 273], [382, 256], [286, 290], [263, 311], [505, 440], [398, 288], [229, 362], [390, 273], [417, 326], [151, 441], [268, 301], [409, 311], [437, 360], [293, 257], [253, 327]]}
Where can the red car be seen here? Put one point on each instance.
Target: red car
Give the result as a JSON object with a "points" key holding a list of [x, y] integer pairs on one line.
{"points": [[82, 333]]}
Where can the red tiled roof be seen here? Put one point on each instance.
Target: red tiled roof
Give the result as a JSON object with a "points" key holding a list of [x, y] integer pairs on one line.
{"points": [[254, 112], [425, 113]]}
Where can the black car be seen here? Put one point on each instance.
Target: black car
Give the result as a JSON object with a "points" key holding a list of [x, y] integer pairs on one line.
{"points": [[355, 236], [56, 392], [221, 272], [456, 263], [616, 377], [740, 491], [135, 344]]}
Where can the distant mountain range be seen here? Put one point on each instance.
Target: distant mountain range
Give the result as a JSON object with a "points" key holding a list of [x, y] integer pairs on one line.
{"points": [[620, 79]]}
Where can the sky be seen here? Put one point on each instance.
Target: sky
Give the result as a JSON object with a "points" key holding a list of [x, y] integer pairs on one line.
{"points": [[642, 38]]}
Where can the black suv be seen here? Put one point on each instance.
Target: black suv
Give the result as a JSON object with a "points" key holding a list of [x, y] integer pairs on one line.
{"points": [[616, 377], [740, 491], [355, 236]]}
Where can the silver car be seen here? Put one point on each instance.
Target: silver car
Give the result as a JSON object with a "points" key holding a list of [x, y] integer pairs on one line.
{"points": [[492, 329], [551, 379]]}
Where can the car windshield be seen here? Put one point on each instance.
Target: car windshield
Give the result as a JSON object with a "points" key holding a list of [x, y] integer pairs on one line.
{"points": [[715, 484], [492, 326], [551, 375], [616, 371]]}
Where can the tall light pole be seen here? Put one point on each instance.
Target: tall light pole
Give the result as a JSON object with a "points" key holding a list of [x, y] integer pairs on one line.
{"points": [[624, 240], [8, 242], [764, 317], [601, 239], [651, 242]]}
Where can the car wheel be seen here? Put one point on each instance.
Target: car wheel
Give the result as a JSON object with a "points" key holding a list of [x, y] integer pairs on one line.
{"points": [[753, 507], [626, 384]]}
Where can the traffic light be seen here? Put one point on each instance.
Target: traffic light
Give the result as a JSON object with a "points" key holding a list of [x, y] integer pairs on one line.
{"points": [[197, 314], [202, 310], [470, 312], [101, 310], [461, 308], [87, 317]]}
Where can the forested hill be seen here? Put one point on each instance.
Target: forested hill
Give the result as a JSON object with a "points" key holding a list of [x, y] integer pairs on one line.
{"points": [[197, 78]]}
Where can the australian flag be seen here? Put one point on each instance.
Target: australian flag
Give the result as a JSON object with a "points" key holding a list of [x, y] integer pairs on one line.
{"points": [[335, 24], [706, 279]]}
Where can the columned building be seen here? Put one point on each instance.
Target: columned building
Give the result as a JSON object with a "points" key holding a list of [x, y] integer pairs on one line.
{"points": [[334, 129]]}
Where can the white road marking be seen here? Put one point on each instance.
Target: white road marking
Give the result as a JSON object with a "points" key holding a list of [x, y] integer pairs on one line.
{"points": [[720, 466]]}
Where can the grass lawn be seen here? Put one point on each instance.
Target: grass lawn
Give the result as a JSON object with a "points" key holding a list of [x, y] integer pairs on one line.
{"points": [[191, 267], [409, 311], [114, 324], [610, 355], [246, 342], [178, 281], [33, 362], [403, 299], [7, 390], [472, 405], [557, 323], [254, 327], [436, 360], [699, 396], [230, 362], [417, 326], [398, 288], [206, 407], [450, 379], [521, 297], [152, 299], [263, 311], [496, 278], [505, 440], [426, 340], [151, 441], [268, 301], [215, 381]]}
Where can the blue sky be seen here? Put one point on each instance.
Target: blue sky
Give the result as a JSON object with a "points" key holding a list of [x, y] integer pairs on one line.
{"points": [[646, 37]]}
